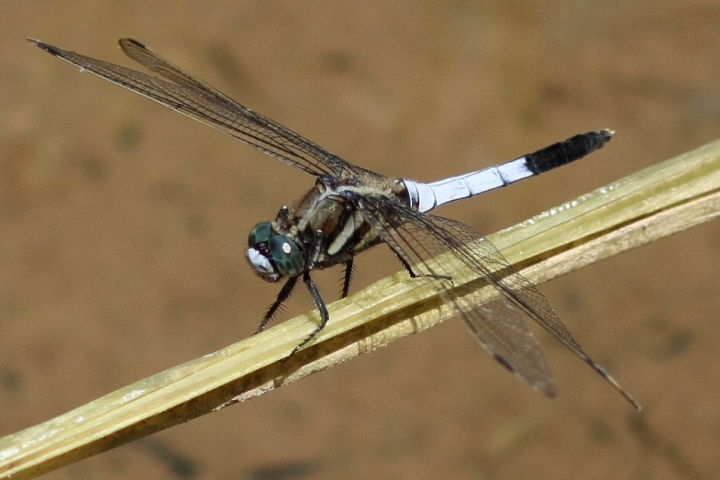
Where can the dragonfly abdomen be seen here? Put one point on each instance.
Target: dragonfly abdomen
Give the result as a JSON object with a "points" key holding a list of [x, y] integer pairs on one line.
{"points": [[427, 196]]}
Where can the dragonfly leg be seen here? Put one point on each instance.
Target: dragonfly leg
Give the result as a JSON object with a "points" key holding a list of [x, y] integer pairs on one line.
{"points": [[412, 274], [318, 246], [282, 296], [324, 316], [349, 270]]}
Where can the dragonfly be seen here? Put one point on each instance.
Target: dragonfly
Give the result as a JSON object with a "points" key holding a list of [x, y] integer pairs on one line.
{"points": [[351, 209]]}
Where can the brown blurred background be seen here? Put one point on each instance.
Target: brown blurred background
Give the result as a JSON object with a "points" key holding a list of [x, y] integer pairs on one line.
{"points": [[123, 224]]}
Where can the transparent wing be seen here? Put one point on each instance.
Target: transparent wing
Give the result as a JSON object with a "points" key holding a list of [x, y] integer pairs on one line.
{"points": [[418, 237], [191, 96]]}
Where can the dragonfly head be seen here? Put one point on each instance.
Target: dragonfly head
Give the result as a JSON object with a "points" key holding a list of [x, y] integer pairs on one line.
{"points": [[272, 255]]}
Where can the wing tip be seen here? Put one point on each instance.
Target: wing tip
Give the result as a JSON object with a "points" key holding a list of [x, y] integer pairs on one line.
{"points": [[131, 41], [44, 46]]}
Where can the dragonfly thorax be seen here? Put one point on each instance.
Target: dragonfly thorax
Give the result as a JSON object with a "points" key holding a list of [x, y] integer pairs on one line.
{"points": [[272, 255], [323, 228]]}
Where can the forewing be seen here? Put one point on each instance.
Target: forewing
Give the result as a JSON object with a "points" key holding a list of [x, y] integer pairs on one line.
{"points": [[191, 96]]}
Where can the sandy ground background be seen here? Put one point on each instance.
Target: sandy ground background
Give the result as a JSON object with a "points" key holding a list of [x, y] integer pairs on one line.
{"points": [[123, 224]]}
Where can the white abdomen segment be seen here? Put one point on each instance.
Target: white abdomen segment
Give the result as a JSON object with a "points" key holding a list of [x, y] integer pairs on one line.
{"points": [[427, 196]]}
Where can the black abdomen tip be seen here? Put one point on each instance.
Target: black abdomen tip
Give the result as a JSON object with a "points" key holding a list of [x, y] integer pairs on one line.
{"points": [[561, 153]]}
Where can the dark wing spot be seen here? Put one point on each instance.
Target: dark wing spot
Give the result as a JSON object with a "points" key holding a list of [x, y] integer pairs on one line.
{"points": [[504, 363]]}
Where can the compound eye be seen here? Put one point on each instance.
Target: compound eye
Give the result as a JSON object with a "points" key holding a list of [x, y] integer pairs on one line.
{"points": [[260, 233], [286, 256]]}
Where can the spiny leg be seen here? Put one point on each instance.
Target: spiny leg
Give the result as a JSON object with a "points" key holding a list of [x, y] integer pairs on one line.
{"points": [[412, 274], [349, 270], [282, 296], [324, 316]]}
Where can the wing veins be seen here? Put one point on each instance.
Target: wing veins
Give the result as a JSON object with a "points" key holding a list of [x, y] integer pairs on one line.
{"points": [[191, 96], [497, 325], [478, 253]]}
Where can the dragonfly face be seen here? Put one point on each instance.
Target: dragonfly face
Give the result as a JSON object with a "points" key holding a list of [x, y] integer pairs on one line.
{"points": [[351, 209], [272, 255]]}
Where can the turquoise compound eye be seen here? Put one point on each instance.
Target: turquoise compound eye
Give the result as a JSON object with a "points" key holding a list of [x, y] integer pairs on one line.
{"points": [[259, 234], [286, 256]]}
